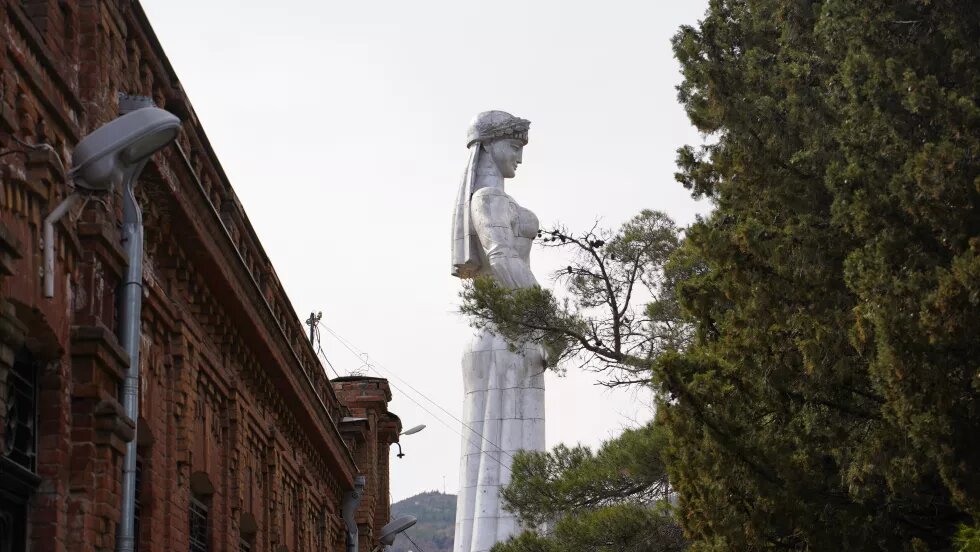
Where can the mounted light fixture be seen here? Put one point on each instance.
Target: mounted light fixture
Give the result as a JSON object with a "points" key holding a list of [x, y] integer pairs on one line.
{"points": [[392, 530], [112, 155], [409, 431], [115, 151]]}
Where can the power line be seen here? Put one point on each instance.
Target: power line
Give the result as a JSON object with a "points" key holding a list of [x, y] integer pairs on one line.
{"points": [[427, 411], [361, 355], [324, 356], [409, 537], [315, 333], [423, 395]]}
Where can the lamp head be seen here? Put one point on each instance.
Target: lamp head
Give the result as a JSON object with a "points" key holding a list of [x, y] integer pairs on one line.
{"points": [[104, 157], [415, 429], [390, 531]]}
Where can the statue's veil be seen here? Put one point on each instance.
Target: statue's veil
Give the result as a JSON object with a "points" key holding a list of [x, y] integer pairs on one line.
{"points": [[466, 257]]}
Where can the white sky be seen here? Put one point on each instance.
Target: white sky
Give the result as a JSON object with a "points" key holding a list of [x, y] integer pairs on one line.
{"points": [[341, 126]]}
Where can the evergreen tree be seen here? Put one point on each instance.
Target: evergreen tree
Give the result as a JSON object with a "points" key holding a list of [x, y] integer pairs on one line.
{"points": [[612, 500], [831, 401], [828, 397]]}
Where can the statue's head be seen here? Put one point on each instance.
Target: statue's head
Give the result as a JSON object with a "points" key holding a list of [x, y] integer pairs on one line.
{"points": [[502, 136]]}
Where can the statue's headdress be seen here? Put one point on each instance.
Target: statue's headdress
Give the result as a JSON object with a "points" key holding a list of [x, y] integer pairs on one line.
{"points": [[495, 125], [486, 127]]}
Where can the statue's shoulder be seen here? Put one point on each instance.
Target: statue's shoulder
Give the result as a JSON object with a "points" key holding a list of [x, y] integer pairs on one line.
{"points": [[489, 194]]}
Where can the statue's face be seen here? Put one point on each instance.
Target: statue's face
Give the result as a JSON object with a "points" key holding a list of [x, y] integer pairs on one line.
{"points": [[506, 154]]}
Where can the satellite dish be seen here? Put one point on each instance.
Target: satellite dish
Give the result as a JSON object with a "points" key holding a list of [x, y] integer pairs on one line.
{"points": [[390, 531]]}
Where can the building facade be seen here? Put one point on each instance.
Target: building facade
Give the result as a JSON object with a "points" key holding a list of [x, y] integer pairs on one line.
{"points": [[369, 430], [243, 442]]}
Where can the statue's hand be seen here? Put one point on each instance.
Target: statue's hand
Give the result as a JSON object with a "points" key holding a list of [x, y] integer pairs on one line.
{"points": [[545, 355]]}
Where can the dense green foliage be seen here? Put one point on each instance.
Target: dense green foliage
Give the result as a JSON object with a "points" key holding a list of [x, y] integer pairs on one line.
{"points": [[612, 500], [829, 398], [968, 539], [548, 485], [831, 401]]}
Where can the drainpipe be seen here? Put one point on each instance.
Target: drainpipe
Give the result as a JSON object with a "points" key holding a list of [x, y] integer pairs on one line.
{"points": [[351, 501], [48, 240], [130, 307]]}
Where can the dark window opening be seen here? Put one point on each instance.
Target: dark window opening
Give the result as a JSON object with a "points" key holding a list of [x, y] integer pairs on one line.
{"points": [[199, 526], [20, 426], [18, 456]]}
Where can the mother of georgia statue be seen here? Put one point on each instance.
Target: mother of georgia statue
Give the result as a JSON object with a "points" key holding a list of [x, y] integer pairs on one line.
{"points": [[503, 404]]}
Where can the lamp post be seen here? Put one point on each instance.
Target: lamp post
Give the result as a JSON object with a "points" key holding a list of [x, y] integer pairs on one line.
{"points": [[114, 155]]}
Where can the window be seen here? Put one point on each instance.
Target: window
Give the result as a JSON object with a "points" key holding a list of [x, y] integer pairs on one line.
{"points": [[244, 546], [18, 452], [199, 526], [20, 433]]}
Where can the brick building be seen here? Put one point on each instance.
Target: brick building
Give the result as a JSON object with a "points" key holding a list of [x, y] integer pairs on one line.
{"points": [[370, 429], [243, 442]]}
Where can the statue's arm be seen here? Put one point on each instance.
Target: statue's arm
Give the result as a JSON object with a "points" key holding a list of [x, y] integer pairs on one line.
{"points": [[490, 211]]}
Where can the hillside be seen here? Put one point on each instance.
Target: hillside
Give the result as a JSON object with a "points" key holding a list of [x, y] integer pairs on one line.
{"points": [[436, 513]]}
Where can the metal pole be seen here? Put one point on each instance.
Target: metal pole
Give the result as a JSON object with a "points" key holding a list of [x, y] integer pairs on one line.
{"points": [[130, 312], [312, 321]]}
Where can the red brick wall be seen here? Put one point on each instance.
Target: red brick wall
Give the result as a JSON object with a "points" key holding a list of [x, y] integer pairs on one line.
{"points": [[368, 398], [234, 406]]}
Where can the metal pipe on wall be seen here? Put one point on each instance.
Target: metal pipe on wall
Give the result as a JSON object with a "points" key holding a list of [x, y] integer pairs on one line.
{"points": [[130, 313], [349, 511], [48, 241]]}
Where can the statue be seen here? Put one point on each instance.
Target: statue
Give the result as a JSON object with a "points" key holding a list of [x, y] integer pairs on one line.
{"points": [[503, 404]]}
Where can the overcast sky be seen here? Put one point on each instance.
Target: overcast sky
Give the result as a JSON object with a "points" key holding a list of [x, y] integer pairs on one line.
{"points": [[341, 126]]}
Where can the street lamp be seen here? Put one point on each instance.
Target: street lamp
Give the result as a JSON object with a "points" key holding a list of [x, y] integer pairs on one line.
{"points": [[410, 431], [114, 155], [111, 155], [390, 531]]}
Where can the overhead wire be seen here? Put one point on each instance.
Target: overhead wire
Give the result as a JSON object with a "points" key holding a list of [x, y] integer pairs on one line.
{"points": [[362, 355], [409, 537], [319, 350]]}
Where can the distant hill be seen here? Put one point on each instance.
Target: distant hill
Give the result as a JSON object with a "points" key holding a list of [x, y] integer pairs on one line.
{"points": [[436, 513]]}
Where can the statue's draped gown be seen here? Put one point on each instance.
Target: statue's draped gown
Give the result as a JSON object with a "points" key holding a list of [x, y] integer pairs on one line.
{"points": [[504, 390]]}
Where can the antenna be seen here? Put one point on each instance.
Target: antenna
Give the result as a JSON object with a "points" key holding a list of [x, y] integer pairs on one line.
{"points": [[312, 322]]}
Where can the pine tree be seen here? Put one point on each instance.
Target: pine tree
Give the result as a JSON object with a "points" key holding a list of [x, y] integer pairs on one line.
{"points": [[615, 499], [831, 401]]}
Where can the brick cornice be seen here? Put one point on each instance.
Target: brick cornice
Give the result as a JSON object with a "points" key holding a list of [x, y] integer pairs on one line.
{"points": [[234, 286]]}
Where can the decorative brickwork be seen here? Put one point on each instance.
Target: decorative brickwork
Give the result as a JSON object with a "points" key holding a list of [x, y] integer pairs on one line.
{"points": [[370, 431], [237, 415]]}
